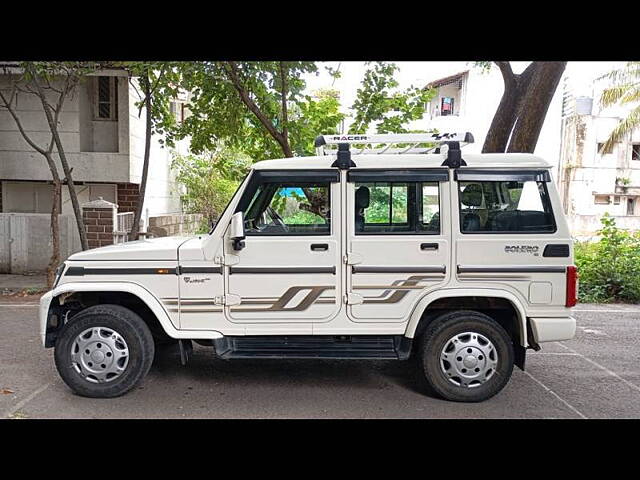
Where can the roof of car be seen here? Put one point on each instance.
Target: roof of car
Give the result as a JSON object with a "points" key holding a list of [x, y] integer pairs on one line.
{"points": [[429, 160]]}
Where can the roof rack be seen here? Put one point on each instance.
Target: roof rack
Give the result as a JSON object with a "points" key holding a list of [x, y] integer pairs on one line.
{"points": [[445, 143]]}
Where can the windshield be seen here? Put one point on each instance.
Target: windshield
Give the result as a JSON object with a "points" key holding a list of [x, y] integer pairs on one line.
{"points": [[239, 189]]}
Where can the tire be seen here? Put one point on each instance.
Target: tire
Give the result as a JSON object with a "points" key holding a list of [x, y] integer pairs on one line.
{"points": [[450, 359], [104, 351]]}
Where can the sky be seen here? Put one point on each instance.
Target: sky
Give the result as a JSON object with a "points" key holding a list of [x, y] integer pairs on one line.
{"points": [[421, 73]]}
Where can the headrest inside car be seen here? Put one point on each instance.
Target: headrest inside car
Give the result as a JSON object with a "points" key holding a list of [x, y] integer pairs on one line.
{"points": [[362, 197], [472, 195]]}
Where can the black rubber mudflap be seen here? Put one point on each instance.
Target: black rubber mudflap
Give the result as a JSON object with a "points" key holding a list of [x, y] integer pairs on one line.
{"points": [[302, 346]]}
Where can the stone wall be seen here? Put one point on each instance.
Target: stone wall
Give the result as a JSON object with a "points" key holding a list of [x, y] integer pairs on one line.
{"points": [[172, 225]]}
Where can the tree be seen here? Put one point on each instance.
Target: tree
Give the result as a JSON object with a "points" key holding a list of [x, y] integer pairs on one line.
{"points": [[523, 107], [625, 89], [210, 180], [52, 83], [378, 100], [258, 108], [158, 82]]}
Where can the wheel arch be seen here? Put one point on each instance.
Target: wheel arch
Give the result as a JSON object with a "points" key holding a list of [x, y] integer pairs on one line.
{"points": [[431, 300], [151, 309]]}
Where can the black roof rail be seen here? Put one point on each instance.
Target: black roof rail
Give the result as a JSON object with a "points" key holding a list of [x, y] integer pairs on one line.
{"points": [[454, 155], [343, 162]]}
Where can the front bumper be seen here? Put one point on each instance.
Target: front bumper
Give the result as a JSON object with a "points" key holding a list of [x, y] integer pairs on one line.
{"points": [[43, 313], [552, 329]]}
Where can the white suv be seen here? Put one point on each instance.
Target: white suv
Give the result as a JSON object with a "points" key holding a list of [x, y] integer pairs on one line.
{"points": [[461, 261]]}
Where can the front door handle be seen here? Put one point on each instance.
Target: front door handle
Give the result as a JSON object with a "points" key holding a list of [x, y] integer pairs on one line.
{"points": [[428, 246], [319, 247]]}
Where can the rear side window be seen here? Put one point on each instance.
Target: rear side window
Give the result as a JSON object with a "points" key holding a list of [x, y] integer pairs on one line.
{"points": [[505, 206], [397, 207]]}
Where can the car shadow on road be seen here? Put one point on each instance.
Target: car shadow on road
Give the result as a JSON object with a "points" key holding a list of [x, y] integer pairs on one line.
{"points": [[204, 367]]}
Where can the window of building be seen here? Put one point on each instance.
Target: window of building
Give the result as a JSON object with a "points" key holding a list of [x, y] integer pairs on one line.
{"points": [[602, 199], [631, 206], [601, 150], [616, 199], [505, 206], [177, 109], [27, 197], [635, 151], [397, 207], [446, 106], [106, 98], [289, 209]]}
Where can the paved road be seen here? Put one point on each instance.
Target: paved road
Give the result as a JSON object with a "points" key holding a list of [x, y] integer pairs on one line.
{"points": [[596, 375]]}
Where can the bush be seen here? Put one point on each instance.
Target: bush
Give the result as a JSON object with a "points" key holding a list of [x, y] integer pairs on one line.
{"points": [[610, 268], [210, 181]]}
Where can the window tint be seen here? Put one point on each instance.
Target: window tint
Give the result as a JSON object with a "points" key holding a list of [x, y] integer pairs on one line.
{"points": [[397, 207], [507, 206], [289, 209]]}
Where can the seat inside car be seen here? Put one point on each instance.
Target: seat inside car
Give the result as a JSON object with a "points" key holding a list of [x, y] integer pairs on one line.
{"points": [[471, 196], [362, 202]]}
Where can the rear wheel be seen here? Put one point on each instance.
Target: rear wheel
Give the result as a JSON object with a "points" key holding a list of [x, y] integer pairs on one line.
{"points": [[104, 351], [466, 356]]}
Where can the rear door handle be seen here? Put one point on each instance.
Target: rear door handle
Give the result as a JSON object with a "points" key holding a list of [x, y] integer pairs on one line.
{"points": [[319, 247], [428, 246]]}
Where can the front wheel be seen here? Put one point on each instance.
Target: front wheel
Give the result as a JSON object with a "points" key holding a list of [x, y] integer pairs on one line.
{"points": [[466, 356], [104, 351]]}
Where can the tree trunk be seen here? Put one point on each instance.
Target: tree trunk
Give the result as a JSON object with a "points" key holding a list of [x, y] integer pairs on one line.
{"points": [[135, 228], [84, 243], [232, 73], [519, 117], [534, 106], [55, 234], [53, 126]]}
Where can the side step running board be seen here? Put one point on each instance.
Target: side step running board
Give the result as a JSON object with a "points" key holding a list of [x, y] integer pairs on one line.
{"points": [[390, 347]]}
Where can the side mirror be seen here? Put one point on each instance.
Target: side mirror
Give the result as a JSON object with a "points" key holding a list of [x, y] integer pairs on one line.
{"points": [[237, 231]]}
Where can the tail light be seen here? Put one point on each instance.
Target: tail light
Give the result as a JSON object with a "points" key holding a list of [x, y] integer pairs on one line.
{"points": [[572, 286]]}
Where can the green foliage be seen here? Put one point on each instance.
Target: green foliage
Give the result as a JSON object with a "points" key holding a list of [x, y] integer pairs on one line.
{"points": [[610, 268], [379, 102], [210, 180], [625, 89], [314, 115], [218, 113], [163, 79], [483, 66]]}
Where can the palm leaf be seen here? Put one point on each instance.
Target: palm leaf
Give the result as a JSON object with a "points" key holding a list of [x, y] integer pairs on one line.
{"points": [[612, 95], [627, 125]]}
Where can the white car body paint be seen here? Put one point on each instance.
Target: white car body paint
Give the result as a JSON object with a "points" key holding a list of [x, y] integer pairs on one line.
{"points": [[204, 289]]}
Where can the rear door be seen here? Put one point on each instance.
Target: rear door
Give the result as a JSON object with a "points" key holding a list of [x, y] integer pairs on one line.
{"points": [[507, 236], [398, 240], [287, 271]]}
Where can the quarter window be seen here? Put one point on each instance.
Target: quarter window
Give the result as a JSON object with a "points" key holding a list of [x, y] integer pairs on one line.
{"points": [[505, 206], [397, 207]]}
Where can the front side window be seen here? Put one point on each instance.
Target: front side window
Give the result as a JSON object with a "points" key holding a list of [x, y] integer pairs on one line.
{"points": [[505, 206], [289, 209], [397, 207]]}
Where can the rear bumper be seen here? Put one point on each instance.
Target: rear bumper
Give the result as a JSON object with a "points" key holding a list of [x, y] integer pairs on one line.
{"points": [[552, 329]]}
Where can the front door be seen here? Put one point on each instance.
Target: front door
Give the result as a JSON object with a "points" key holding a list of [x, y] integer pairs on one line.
{"points": [[398, 240], [288, 270]]}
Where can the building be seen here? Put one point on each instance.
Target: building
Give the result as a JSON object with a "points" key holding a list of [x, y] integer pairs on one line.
{"points": [[591, 181], [103, 133], [468, 100]]}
